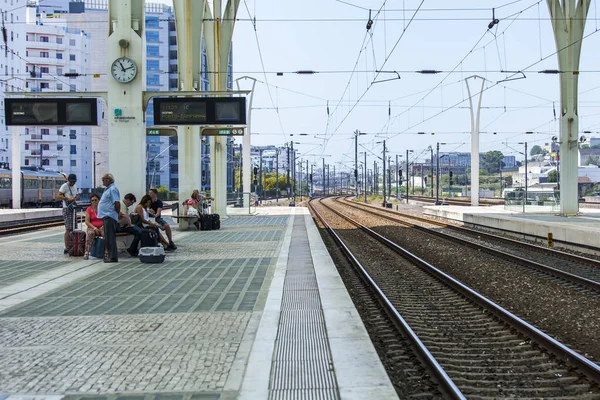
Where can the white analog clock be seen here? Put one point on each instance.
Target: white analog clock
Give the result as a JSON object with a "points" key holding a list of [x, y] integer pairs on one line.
{"points": [[123, 69]]}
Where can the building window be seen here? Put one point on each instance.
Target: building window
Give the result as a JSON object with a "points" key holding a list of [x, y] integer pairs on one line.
{"points": [[152, 51], [44, 85], [59, 132], [44, 39], [153, 79], [152, 22], [44, 70], [59, 147], [45, 131], [71, 42], [46, 146], [44, 54], [152, 65], [59, 71], [45, 161], [26, 161], [72, 134], [26, 146], [59, 56], [71, 57], [72, 88], [59, 40], [73, 149], [72, 71], [152, 36], [73, 163], [59, 86], [59, 163]]}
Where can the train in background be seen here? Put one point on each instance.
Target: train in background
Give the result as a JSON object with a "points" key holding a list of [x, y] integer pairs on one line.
{"points": [[39, 187]]}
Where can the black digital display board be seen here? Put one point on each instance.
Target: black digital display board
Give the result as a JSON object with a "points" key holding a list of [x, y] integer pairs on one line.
{"points": [[200, 111], [57, 111]]}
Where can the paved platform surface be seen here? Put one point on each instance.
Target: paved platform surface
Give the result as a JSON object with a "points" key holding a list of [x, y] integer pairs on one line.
{"points": [[255, 310], [583, 229]]}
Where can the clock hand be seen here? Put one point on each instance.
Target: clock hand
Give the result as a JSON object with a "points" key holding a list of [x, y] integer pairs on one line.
{"points": [[122, 67]]}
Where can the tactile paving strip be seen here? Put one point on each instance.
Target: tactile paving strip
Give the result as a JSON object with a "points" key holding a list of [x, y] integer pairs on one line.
{"points": [[12, 271], [302, 365], [170, 287], [234, 236], [254, 221]]}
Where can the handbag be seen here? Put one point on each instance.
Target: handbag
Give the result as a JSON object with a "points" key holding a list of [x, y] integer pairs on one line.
{"points": [[192, 212], [97, 249]]}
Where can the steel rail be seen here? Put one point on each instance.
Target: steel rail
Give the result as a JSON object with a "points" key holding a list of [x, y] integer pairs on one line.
{"points": [[544, 340], [448, 386], [588, 283]]}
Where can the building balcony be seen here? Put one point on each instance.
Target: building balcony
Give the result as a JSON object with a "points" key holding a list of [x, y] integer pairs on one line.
{"points": [[35, 136], [45, 45], [46, 61]]}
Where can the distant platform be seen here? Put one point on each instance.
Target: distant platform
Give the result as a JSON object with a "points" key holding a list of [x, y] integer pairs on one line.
{"points": [[582, 230], [9, 215]]}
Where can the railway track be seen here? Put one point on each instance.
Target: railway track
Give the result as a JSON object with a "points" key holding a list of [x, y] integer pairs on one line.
{"points": [[577, 269], [29, 225], [468, 344]]}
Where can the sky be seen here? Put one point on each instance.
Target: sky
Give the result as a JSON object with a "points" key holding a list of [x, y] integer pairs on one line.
{"points": [[365, 80]]}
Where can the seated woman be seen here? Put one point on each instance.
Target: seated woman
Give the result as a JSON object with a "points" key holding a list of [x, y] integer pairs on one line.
{"points": [[93, 223], [193, 204], [143, 220]]}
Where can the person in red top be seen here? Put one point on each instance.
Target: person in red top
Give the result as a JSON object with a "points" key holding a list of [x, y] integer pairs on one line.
{"points": [[93, 223]]}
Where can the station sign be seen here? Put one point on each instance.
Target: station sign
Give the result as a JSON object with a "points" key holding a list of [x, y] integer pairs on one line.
{"points": [[53, 111], [160, 131], [199, 111], [223, 132]]}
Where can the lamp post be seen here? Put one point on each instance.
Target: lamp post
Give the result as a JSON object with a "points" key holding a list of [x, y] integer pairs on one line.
{"points": [[525, 197], [365, 180], [407, 151], [356, 134], [431, 159], [437, 175]]}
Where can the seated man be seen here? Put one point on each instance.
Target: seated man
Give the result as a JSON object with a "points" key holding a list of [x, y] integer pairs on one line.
{"points": [[157, 206], [125, 224]]}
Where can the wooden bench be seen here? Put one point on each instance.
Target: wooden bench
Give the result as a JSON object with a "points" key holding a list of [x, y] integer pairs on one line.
{"points": [[124, 240], [185, 221]]}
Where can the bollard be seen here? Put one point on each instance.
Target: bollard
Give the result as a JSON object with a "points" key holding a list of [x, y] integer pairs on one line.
{"points": [[550, 240]]}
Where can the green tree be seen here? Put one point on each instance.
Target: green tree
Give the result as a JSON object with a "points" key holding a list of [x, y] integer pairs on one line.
{"points": [[553, 176], [492, 161], [535, 150], [592, 160]]}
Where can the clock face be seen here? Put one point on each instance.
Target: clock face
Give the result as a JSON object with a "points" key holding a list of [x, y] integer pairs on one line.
{"points": [[123, 70]]}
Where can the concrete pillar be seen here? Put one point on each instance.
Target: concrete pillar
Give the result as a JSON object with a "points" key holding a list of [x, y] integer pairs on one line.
{"points": [[218, 33], [189, 48], [568, 22], [474, 142], [15, 165], [126, 130]]}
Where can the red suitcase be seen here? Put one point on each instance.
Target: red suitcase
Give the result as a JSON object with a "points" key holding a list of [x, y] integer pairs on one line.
{"points": [[76, 239]]}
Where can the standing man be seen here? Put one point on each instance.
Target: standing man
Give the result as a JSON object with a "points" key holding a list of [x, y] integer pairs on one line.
{"points": [[126, 226], [68, 194], [109, 209], [157, 206]]}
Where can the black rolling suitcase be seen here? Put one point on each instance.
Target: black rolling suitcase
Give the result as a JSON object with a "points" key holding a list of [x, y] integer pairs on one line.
{"points": [[76, 239], [149, 238], [206, 222], [210, 220]]}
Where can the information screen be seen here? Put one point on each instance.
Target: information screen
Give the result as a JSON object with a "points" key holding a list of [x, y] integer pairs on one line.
{"points": [[227, 112], [78, 113], [33, 112], [200, 111], [182, 112], [52, 111]]}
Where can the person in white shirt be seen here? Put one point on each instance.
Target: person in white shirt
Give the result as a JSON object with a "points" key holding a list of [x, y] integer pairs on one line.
{"points": [[68, 194]]}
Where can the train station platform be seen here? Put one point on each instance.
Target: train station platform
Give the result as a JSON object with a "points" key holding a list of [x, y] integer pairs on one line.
{"points": [[255, 310], [27, 214], [583, 229]]}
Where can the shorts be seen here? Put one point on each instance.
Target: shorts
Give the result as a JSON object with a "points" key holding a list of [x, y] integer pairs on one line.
{"points": [[69, 217], [160, 221]]}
